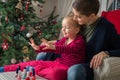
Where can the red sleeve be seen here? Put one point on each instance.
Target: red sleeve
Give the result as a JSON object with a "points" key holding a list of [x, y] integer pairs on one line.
{"points": [[41, 50], [74, 47]]}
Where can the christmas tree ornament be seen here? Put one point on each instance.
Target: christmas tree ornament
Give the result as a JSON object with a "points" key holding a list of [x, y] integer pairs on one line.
{"points": [[4, 1], [25, 59], [54, 22], [5, 40], [27, 5], [39, 32], [13, 60], [19, 5], [22, 28], [25, 49], [22, 17], [18, 19], [5, 46], [29, 35], [6, 19], [41, 8]]}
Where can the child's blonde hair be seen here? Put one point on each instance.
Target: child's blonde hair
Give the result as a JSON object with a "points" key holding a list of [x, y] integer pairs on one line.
{"points": [[73, 22]]}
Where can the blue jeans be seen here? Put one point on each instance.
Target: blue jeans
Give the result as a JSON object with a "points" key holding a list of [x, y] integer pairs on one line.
{"points": [[76, 72], [41, 56], [47, 56], [80, 72], [1, 69]]}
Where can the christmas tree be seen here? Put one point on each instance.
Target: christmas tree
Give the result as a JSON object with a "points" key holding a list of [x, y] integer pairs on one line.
{"points": [[18, 22]]}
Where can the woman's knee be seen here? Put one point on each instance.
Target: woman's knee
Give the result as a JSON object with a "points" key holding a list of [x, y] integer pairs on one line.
{"points": [[76, 72], [76, 68]]}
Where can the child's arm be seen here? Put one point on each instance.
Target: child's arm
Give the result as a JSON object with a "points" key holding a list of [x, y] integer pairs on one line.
{"points": [[49, 45], [33, 45], [50, 42]]}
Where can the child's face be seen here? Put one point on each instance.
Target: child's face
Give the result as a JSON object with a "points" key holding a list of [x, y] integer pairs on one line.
{"points": [[69, 29], [81, 19]]}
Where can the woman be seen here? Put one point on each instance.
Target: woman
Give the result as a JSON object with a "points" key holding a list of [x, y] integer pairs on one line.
{"points": [[101, 38]]}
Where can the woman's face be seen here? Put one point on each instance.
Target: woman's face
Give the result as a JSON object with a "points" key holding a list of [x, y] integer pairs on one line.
{"points": [[81, 19]]}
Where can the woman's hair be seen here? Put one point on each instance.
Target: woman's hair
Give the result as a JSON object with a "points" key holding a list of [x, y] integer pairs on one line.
{"points": [[86, 7]]}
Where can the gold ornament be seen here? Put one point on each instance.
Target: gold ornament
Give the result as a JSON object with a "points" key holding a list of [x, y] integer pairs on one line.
{"points": [[25, 49], [19, 5], [26, 59]]}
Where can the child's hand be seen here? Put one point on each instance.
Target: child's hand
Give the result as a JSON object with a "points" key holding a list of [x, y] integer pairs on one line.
{"points": [[52, 42], [47, 44], [32, 43]]}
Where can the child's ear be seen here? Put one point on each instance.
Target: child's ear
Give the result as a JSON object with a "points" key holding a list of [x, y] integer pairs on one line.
{"points": [[78, 30]]}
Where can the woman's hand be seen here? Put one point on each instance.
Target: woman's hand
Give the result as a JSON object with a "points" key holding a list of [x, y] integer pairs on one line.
{"points": [[98, 59], [47, 44], [32, 43]]}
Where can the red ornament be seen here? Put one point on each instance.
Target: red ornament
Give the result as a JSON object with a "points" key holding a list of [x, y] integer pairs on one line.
{"points": [[5, 46], [54, 22], [6, 19], [22, 28], [22, 17], [27, 2], [5, 40], [39, 32], [40, 10], [26, 7]]}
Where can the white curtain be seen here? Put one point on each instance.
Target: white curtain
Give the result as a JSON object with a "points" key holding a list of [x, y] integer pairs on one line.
{"points": [[47, 8], [109, 3], [64, 7], [103, 6]]}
